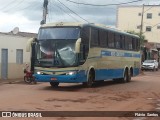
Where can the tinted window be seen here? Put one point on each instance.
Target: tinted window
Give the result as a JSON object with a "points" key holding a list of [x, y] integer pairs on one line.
{"points": [[134, 43], [85, 35], [118, 41], [128, 43], [103, 38], [122, 41], [94, 37], [111, 39]]}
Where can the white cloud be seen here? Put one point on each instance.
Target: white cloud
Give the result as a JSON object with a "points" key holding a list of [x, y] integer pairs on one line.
{"points": [[8, 22]]}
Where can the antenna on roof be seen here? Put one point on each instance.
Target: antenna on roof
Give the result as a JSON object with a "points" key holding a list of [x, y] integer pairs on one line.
{"points": [[15, 30]]}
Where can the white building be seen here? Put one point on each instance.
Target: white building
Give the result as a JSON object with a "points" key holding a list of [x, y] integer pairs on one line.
{"points": [[13, 54], [129, 19]]}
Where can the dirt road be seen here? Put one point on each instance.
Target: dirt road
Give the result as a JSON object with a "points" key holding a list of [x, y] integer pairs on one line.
{"points": [[141, 94]]}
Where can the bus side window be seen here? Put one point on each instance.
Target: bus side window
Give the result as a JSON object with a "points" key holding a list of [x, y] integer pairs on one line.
{"points": [[138, 44], [134, 43], [111, 39], [103, 38], [84, 47], [117, 41], [85, 35], [94, 37], [122, 41], [128, 43]]}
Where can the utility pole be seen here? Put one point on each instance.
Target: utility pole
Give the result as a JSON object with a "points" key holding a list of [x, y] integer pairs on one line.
{"points": [[45, 12], [141, 33], [141, 28]]}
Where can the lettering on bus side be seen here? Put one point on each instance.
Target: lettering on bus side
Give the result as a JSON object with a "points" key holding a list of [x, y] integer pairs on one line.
{"points": [[112, 53], [119, 54]]}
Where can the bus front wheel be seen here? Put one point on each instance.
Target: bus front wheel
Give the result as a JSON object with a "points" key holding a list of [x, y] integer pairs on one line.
{"points": [[90, 80], [54, 84]]}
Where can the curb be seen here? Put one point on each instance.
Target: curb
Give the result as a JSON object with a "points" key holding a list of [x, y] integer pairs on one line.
{"points": [[10, 81]]}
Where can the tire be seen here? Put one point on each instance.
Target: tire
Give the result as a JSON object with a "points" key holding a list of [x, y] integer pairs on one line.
{"points": [[90, 80], [129, 76], [118, 80], [54, 84], [27, 79], [100, 81], [125, 78], [153, 69]]}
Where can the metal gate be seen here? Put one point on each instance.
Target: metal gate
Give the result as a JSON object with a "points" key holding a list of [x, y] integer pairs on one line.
{"points": [[4, 64]]}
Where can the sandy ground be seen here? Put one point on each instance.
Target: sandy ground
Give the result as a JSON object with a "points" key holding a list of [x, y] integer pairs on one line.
{"points": [[141, 94]]}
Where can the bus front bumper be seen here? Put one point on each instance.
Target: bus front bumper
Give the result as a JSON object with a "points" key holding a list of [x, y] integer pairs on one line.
{"points": [[60, 78]]}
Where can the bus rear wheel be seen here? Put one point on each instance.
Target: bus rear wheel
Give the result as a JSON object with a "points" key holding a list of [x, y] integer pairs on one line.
{"points": [[129, 76], [125, 77], [54, 84]]}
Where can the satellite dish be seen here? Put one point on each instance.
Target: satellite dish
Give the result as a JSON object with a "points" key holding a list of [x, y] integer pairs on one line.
{"points": [[15, 30]]}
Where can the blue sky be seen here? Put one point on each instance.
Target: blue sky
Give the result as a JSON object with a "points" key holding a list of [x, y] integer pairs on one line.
{"points": [[27, 14]]}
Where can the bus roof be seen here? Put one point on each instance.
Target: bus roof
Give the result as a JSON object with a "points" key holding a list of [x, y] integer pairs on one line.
{"points": [[80, 24], [63, 24]]}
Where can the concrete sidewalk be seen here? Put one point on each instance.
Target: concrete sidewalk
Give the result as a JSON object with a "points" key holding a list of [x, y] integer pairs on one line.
{"points": [[11, 81]]}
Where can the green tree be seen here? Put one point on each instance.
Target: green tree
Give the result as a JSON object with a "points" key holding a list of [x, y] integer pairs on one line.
{"points": [[142, 37]]}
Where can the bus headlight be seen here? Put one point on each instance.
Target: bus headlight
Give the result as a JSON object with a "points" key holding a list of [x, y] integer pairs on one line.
{"points": [[38, 73], [71, 73]]}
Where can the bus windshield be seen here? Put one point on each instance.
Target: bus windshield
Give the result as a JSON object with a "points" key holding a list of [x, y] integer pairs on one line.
{"points": [[59, 33], [56, 47]]}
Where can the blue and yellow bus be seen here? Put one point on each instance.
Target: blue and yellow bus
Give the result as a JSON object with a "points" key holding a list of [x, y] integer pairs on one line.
{"points": [[84, 53]]}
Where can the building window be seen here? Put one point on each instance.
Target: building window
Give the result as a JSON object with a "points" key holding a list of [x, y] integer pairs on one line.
{"points": [[158, 27], [149, 15], [139, 27], [19, 56], [139, 14], [158, 14], [148, 28]]}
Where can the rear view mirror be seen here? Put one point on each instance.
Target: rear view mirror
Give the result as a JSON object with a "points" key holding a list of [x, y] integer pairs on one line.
{"points": [[77, 46], [29, 43]]}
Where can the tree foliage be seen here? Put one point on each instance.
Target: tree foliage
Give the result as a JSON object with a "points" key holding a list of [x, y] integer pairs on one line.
{"points": [[142, 37]]}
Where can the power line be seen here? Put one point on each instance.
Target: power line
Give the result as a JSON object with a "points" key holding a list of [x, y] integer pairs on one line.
{"points": [[148, 8], [16, 5], [73, 11], [7, 5], [102, 5], [30, 6], [54, 9], [152, 27], [66, 13]]}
